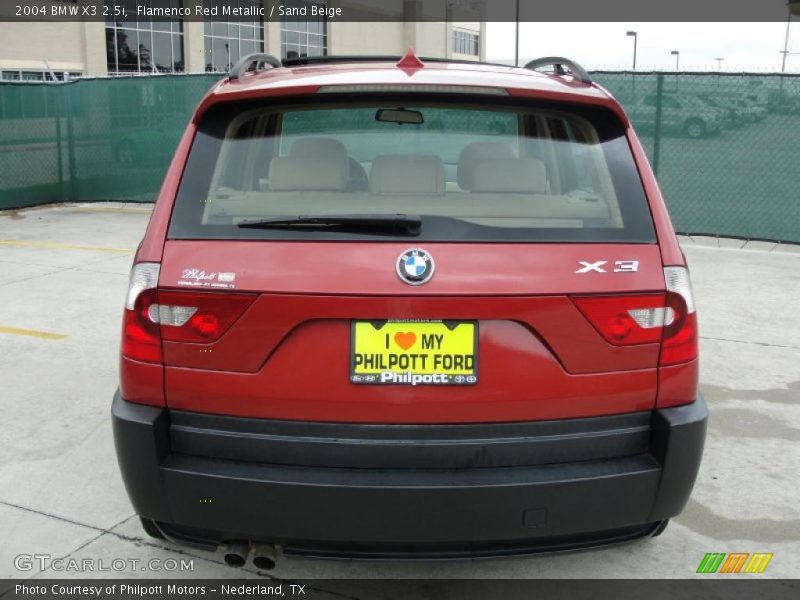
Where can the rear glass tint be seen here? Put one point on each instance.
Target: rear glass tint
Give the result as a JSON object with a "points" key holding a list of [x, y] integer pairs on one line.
{"points": [[470, 172]]}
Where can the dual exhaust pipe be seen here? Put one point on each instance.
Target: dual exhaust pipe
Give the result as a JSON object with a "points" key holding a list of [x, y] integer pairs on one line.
{"points": [[235, 553]]}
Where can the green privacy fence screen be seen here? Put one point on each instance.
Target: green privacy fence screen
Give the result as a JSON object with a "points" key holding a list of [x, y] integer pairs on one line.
{"points": [[93, 139], [726, 147]]}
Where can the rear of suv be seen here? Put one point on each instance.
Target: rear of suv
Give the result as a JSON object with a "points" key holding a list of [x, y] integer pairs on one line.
{"points": [[393, 309]]}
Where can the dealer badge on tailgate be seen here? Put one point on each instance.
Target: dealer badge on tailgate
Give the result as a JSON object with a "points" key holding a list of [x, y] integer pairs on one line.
{"points": [[414, 352]]}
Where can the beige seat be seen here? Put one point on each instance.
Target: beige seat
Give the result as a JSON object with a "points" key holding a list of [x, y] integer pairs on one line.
{"points": [[317, 147], [292, 174], [321, 147], [510, 176], [407, 174], [474, 153]]}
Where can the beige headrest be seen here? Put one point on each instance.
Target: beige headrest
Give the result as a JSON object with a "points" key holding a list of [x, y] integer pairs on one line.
{"points": [[476, 152], [520, 175], [420, 174], [291, 173], [317, 147]]}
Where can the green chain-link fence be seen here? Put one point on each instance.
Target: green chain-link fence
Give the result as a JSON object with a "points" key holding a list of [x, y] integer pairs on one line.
{"points": [[725, 147], [93, 139]]}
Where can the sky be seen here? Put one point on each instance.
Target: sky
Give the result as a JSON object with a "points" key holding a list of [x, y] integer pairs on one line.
{"points": [[744, 46]]}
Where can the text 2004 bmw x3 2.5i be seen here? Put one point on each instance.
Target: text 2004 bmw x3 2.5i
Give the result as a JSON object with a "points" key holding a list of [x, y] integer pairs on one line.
{"points": [[408, 309]]}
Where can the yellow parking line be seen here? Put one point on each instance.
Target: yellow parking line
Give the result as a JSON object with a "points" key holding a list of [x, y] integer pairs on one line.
{"points": [[57, 246], [32, 333]]}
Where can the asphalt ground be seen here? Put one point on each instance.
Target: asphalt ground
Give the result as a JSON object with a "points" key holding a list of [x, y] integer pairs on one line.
{"points": [[63, 275]]}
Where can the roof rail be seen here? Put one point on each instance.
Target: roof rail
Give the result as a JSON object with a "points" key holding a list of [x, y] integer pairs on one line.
{"points": [[558, 63], [241, 67]]}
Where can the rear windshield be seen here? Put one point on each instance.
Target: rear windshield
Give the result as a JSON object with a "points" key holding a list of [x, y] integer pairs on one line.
{"points": [[462, 171]]}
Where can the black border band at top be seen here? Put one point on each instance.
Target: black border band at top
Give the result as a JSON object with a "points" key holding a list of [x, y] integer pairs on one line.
{"points": [[530, 11]]}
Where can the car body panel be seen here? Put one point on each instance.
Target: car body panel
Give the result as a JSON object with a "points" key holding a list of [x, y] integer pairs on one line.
{"points": [[306, 378], [152, 245], [538, 356], [598, 420], [298, 81], [368, 268]]}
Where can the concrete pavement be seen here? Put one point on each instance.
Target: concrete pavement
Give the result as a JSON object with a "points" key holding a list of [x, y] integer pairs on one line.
{"points": [[63, 274]]}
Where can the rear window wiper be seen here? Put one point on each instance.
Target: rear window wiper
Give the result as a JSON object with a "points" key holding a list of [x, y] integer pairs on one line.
{"points": [[376, 224]]}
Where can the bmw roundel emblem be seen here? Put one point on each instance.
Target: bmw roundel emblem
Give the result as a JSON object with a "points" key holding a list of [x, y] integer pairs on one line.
{"points": [[415, 266]]}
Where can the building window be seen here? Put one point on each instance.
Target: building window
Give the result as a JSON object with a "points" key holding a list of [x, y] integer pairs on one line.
{"points": [[19, 75], [465, 43], [227, 41], [307, 37], [144, 45]]}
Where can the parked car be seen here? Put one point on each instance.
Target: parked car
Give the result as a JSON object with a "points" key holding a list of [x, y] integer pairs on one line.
{"points": [[735, 113], [783, 102], [756, 110], [408, 309], [725, 114], [680, 115]]}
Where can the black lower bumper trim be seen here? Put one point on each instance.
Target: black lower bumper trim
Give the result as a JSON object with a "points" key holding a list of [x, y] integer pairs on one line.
{"points": [[412, 511], [379, 550], [371, 446]]}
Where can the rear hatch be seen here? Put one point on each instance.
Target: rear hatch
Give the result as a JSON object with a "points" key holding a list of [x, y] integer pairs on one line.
{"points": [[396, 259]]}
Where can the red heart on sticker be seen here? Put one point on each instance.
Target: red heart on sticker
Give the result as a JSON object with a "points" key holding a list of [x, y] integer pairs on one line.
{"points": [[405, 340]]}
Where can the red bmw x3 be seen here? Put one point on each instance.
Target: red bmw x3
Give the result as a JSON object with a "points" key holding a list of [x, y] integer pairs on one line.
{"points": [[408, 309]]}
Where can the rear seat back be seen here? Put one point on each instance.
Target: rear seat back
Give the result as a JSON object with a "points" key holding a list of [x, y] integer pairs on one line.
{"points": [[317, 147], [519, 175], [407, 174], [477, 152], [291, 173], [324, 147]]}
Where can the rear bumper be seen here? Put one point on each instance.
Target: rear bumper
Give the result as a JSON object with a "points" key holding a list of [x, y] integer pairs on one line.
{"points": [[400, 491]]}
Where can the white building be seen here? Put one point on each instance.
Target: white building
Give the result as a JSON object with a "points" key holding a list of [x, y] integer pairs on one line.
{"points": [[28, 50]]}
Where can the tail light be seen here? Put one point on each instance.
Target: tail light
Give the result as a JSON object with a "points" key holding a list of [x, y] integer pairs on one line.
{"points": [[680, 336], [632, 319], [141, 339], [626, 320], [198, 317], [173, 315]]}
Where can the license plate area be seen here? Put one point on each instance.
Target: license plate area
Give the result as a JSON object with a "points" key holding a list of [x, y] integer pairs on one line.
{"points": [[402, 352]]}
